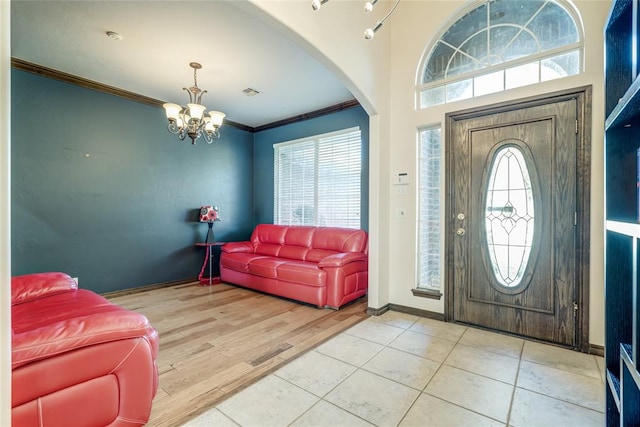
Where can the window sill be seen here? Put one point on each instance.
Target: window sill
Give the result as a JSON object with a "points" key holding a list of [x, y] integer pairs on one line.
{"points": [[426, 293]]}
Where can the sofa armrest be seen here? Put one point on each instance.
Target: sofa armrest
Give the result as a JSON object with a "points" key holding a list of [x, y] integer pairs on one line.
{"points": [[238, 247], [33, 286], [342, 259], [63, 336]]}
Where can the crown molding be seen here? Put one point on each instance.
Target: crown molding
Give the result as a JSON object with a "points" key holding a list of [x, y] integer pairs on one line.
{"points": [[312, 115], [132, 96]]}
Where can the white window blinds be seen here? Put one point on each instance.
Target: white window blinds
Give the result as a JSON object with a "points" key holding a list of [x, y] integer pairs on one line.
{"points": [[317, 180]]}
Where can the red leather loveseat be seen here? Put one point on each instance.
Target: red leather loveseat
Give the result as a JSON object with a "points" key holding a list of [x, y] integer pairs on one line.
{"points": [[325, 266], [76, 358]]}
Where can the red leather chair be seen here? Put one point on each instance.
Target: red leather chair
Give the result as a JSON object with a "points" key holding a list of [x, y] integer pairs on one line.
{"points": [[76, 358]]}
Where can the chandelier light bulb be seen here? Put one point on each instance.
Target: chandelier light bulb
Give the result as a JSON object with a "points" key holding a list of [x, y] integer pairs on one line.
{"points": [[196, 111], [216, 118]]}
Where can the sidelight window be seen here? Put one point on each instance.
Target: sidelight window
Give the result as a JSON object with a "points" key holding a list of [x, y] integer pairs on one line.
{"points": [[429, 274]]}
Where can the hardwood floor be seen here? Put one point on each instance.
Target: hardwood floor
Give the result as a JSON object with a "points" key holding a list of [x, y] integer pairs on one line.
{"points": [[215, 341]]}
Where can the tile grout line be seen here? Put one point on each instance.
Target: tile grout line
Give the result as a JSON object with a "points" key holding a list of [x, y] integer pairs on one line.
{"points": [[357, 368], [515, 385]]}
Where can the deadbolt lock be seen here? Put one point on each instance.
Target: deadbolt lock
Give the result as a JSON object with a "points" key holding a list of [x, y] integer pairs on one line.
{"points": [[461, 216]]}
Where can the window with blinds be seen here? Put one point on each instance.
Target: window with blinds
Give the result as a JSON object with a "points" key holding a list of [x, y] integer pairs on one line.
{"points": [[317, 180], [429, 255]]}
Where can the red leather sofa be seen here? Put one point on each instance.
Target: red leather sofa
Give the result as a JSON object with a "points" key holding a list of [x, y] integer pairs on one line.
{"points": [[324, 266], [76, 358]]}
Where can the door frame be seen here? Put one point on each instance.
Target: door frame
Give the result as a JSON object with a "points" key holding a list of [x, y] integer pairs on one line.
{"points": [[583, 97]]}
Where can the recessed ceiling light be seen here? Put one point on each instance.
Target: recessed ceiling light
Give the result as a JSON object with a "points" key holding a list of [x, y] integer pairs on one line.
{"points": [[250, 92], [113, 35]]}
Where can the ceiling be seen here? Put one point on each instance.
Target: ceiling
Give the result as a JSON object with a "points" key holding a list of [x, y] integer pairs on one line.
{"points": [[159, 40]]}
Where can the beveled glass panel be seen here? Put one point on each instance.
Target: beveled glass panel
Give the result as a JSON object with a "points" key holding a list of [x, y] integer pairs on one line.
{"points": [[501, 36], [439, 59], [433, 96], [462, 63], [553, 27], [517, 12], [523, 45], [467, 26], [509, 216], [558, 66], [488, 83], [522, 75], [460, 90]]}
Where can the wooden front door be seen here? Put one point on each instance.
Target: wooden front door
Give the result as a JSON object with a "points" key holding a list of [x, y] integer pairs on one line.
{"points": [[513, 211]]}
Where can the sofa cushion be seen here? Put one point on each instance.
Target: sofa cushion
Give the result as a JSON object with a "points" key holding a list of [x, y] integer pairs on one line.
{"points": [[306, 273], [268, 249], [265, 266], [269, 233], [238, 261], [299, 236], [317, 255], [293, 252], [339, 239]]}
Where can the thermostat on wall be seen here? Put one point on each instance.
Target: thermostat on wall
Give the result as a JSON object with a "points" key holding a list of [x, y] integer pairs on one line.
{"points": [[401, 178]]}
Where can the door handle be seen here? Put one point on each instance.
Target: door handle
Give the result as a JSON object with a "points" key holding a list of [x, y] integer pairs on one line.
{"points": [[460, 231]]}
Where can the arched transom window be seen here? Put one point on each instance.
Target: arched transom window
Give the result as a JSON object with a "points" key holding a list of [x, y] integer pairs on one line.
{"points": [[500, 45]]}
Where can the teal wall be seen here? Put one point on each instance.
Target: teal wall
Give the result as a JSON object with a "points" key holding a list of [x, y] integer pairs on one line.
{"points": [[102, 191], [263, 156]]}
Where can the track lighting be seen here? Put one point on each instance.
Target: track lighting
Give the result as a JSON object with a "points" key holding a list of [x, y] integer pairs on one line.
{"points": [[368, 7], [315, 4], [370, 32]]}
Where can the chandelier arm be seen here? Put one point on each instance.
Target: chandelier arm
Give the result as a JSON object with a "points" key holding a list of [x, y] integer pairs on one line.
{"points": [[173, 128], [199, 100], [188, 90], [207, 137]]}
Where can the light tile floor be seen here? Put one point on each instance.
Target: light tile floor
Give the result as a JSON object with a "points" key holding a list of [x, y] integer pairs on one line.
{"points": [[403, 370]]}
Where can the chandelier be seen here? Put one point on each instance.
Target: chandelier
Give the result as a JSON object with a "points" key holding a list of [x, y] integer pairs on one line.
{"points": [[192, 121], [368, 7]]}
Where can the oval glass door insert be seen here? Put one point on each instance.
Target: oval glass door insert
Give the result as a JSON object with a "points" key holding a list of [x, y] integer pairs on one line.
{"points": [[509, 216]]}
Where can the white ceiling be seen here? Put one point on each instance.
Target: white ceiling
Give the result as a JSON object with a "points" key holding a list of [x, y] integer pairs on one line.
{"points": [[161, 38]]}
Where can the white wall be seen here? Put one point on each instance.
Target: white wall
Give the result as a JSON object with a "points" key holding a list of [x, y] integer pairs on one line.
{"points": [[381, 73], [5, 223]]}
